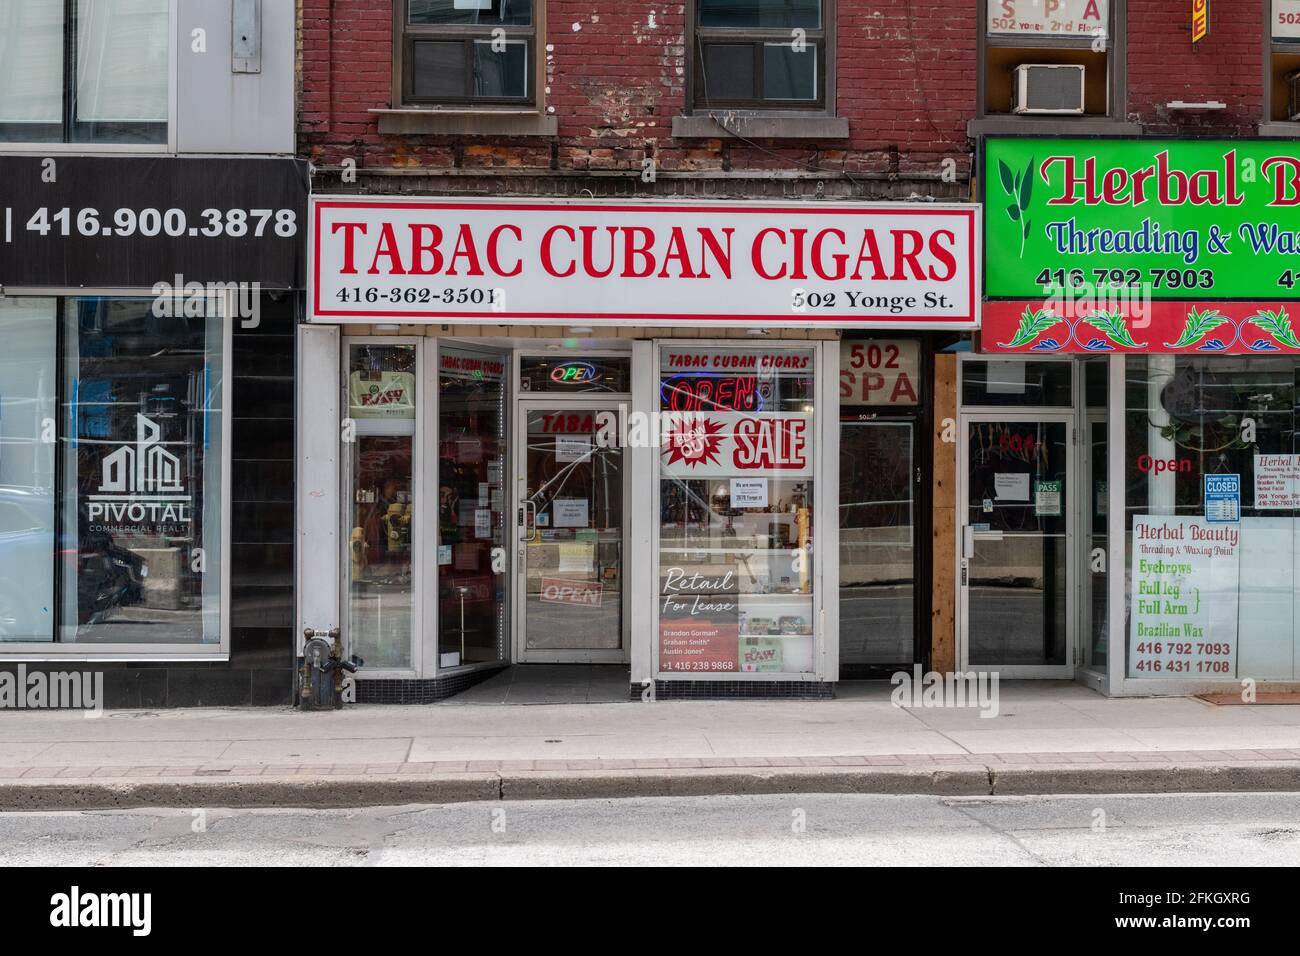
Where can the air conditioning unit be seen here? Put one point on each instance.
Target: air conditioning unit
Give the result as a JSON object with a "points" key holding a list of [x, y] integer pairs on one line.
{"points": [[1048, 89], [1293, 100]]}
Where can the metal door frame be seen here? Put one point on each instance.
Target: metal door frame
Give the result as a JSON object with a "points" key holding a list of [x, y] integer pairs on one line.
{"points": [[1070, 505], [589, 401]]}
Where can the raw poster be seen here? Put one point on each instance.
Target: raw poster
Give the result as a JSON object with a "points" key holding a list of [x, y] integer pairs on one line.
{"points": [[1184, 598], [699, 619]]}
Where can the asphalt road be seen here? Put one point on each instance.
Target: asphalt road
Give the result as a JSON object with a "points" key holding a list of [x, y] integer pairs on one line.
{"points": [[1177, 830]]}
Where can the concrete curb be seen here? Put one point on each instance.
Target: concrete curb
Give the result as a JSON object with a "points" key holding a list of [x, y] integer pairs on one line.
{"points": [[344, 791]]}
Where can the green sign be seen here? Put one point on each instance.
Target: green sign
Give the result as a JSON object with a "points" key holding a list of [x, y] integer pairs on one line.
{"points": [[1181, 219]]}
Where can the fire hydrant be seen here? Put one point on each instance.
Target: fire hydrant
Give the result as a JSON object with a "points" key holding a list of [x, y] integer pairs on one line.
{"points": [[321, 668]]}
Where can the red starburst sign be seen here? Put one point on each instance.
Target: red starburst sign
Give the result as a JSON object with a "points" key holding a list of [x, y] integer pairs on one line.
{"points": [[693, 440]]}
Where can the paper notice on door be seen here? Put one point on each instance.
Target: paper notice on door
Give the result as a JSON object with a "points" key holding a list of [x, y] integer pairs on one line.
{"points": [[1277, 482], [571, 448], [570, 512], [482, 523], [1011, 486], [749, 492], [575, 557], [1047, 498]]}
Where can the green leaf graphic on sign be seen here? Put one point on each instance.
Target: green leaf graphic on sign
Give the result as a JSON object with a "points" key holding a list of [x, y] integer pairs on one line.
{"points": [[1008, 184], [1278, 325], [1197, 327], [1032, 325], [1115, 328]]}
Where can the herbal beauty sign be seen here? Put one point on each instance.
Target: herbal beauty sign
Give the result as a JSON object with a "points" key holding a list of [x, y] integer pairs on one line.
{"points": [[837, 264], [1097, 245]]}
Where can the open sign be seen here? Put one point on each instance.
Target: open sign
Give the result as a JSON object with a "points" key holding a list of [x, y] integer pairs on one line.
{"points": [[581, 593], [575, 373]]}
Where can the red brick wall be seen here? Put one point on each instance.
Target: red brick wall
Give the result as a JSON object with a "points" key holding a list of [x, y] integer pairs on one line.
{"points": [[1226, 66], [616, 74]]}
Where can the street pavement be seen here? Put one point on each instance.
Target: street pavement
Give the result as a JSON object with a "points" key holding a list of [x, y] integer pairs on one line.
{"points": [[1052, 737], [780, 830]]}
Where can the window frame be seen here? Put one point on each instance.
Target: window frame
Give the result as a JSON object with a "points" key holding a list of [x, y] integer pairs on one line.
{"points": [[67, 123], [406, 34], [1113, 121], [822, 38], [57, 650]]}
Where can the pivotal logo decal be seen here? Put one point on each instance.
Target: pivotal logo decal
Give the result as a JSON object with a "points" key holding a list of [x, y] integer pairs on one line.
{"points": [[141, 486], [693, 441]]}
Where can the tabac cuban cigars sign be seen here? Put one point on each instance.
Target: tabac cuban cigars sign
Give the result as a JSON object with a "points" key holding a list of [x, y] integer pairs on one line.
{"points": [[1141, 245], [832, 264]]}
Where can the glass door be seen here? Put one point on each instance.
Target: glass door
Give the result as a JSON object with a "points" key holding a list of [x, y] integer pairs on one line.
{"points": [[878, 569], [569, 524], [1016, 565]]}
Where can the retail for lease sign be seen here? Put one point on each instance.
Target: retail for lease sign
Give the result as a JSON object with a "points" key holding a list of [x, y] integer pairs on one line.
{"points": [[1048, 17], [866, 265], [1144, 245]]}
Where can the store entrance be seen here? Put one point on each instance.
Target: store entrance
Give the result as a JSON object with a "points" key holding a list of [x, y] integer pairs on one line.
{"points": [[570, 492], [1017, 561]]}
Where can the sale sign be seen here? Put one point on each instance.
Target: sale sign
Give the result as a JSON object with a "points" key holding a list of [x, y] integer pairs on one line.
{"points": [[793, 265], [722, 444], [1048, 17]]}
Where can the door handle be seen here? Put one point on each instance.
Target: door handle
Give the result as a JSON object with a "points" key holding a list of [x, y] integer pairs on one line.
{"points": [[530, 531], [968, 542]]}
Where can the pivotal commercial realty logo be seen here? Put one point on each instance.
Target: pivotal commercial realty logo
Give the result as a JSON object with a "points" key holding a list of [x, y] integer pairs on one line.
{"points": [[141, 490]]}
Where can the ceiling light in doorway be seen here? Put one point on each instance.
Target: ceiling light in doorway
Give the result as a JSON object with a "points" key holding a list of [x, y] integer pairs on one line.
{"points": [[388, 327], [757, 332], [580, 330]]}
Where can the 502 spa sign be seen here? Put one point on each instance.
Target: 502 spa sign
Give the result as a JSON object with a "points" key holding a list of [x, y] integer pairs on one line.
{"points": [[1182, 219]]}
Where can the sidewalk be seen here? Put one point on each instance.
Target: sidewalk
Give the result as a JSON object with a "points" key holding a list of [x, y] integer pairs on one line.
{"points": [[1048, 738]]}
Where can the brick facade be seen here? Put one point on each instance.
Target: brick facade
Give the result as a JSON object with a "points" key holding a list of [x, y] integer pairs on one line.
{"points": [[616, 75]]}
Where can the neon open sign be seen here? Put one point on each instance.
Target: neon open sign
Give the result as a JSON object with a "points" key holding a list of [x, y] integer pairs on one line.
{"points": [[575, 373]]}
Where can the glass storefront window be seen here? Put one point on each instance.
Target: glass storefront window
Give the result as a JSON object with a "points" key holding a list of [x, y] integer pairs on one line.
{"points": [[736, 521], [1212, 499], [472, 624], [141, 447], [1015, 382], [28, 328], [382, 508]]}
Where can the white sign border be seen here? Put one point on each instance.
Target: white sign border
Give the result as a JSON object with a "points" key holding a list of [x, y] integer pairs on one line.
{"points": [[782, 320]]}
